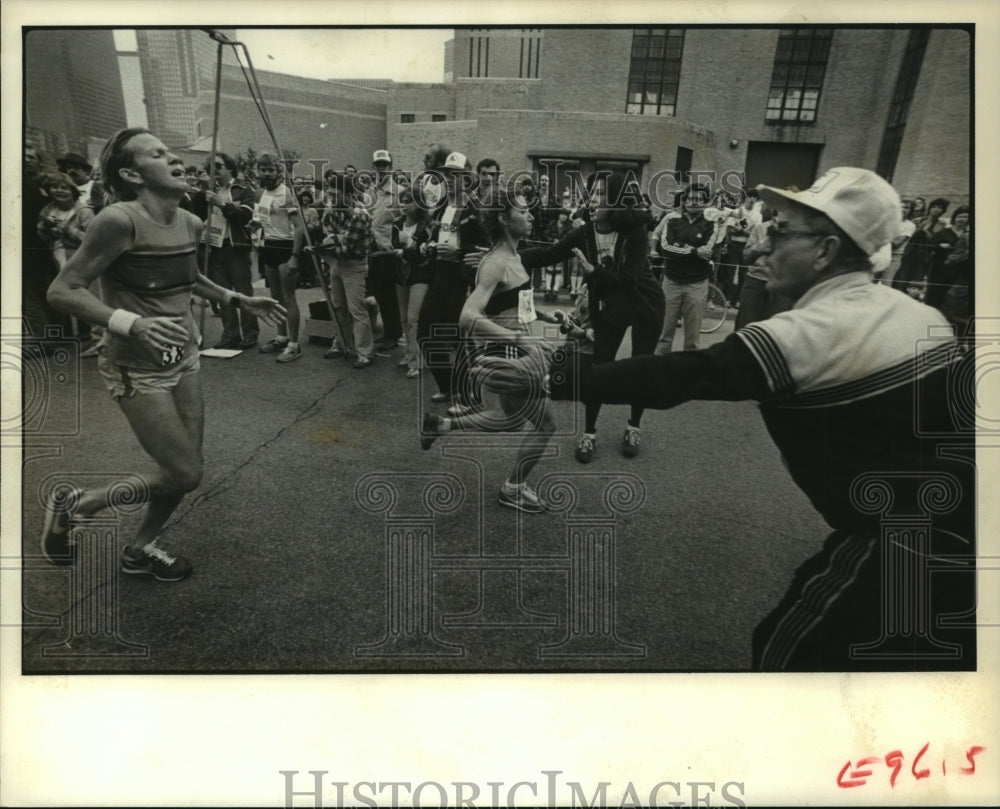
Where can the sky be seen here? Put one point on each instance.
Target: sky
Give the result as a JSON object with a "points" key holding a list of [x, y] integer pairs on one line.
{"points": [[345, 53]]}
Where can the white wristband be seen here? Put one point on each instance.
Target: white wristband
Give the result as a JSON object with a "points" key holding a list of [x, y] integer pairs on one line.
{"points": [[121, 321]]}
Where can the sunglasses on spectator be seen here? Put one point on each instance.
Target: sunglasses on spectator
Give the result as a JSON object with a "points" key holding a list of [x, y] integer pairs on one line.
{"points": [[776, 235]]}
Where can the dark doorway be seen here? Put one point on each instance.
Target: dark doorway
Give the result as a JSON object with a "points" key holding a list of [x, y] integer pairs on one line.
{"points": [[782, 164], [570, 173]]}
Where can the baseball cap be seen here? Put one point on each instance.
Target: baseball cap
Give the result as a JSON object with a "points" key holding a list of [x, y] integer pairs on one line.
{"points": [[859, 202], [381, 156], [456, 160], [74, 159]]}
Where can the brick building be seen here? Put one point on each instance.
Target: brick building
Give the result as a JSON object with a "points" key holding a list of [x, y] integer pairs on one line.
{"points": [[332, 122], [781, 105]]}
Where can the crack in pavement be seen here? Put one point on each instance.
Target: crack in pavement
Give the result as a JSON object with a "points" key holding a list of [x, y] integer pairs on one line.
{"points": [[224, 483]]}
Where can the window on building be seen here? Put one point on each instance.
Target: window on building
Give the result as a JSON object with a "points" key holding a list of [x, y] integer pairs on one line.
{"points": [[654, 71], [407, 118], [899, 109], [531, 53], [797, 78], [479, 55], [438, 116]]}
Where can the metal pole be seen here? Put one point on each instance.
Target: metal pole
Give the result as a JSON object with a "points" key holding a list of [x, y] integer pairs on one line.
{"points": [[266, 118], [211, 174]]}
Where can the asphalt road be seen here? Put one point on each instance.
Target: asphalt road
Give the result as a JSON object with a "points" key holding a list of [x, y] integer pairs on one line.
{"points": [[325, 540]]}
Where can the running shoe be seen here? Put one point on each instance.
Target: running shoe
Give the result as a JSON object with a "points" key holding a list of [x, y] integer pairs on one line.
{"points": [[57, 547], [334, 353], [522, 497], [271, 346], [249, 342], [227, 344], [291, 352], [361, 363], [429, 431], [413, 373], [630, 442], [441, 397], [585, 449], [156, 562]]}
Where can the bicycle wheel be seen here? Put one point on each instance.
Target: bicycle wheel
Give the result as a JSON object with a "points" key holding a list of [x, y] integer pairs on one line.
{"points": [[715, 310]]}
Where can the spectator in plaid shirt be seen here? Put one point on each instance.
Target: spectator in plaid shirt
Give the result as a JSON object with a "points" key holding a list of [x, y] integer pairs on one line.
{"points": [[348, 229]]}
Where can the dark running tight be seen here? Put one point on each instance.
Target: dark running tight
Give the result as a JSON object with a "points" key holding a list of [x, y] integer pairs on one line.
{"points": [[607, 341]]}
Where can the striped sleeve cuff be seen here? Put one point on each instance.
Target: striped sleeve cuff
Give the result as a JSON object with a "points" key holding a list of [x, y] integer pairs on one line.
{"points": [[765, 350]]}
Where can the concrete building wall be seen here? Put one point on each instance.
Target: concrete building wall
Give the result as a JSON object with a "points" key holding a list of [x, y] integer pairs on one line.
{"points": [[420, 100], [585, 70], [729, 95], [472, 95], [319, 120], [496, 53], [516, 138], [408, 142], [934, 157]]}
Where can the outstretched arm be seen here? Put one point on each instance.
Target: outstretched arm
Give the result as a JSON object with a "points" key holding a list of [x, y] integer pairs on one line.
{"points": [[726, 371]]}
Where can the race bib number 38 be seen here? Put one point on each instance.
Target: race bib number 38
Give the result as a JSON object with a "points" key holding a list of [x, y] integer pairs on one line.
{"points": [[171, 355]]}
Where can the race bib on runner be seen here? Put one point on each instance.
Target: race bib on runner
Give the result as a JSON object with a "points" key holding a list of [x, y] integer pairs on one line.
{"points": [[171, 355], [262, 211], [526, 306]]}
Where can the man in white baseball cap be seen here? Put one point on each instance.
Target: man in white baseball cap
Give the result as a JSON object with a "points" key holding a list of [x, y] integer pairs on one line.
{"points": [[856, 385]]}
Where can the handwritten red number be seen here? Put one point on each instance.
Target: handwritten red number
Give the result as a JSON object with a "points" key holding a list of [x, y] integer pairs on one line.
{"points": [[894, 760], [970, 757], [858, 776], [918, 774]]}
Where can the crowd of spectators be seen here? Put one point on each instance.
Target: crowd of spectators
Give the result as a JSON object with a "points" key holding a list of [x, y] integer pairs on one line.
{"points": [[392, 247]]}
